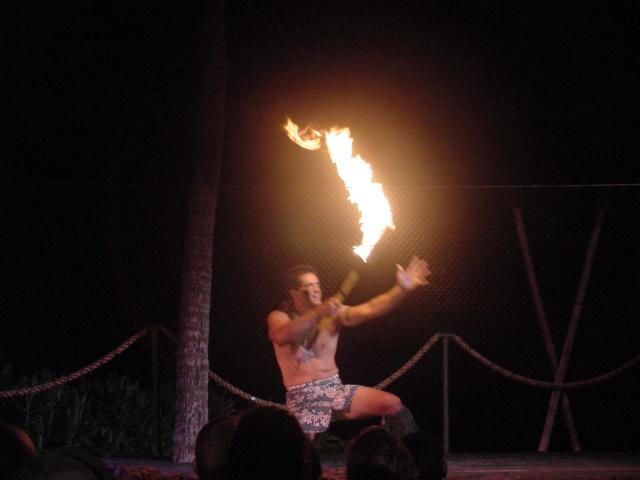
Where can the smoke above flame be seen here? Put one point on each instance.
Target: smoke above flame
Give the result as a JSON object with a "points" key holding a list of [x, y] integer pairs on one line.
{"points": [[356, 174]]}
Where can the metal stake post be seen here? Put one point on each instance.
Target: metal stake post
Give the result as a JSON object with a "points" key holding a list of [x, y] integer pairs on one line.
{"points": [[445, 394], [155, 411]]}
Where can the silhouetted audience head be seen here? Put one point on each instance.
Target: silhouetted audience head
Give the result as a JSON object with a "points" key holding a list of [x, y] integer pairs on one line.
{"points": [[62, 464], [312, 466], [212, 446], [427, 453], [16, 448], [268, 444], [377, 454]]}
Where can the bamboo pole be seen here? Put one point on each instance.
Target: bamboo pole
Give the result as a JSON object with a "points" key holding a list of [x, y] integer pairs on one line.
{"points": [[544, 325], [571, 333]]}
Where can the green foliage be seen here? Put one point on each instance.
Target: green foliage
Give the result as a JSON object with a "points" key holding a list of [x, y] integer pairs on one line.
{"points": [[109, 416]]}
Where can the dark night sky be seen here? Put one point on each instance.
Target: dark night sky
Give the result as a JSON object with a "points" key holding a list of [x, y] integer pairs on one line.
{"points": [[462, 93], [100, 114], [475, 93]]}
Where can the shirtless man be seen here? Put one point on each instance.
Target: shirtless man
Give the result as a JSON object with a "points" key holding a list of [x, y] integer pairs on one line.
{"points": [[305, 331]]}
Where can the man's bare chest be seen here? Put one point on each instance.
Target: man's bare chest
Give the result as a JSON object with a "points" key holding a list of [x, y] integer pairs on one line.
{"points": [[325, 343]]}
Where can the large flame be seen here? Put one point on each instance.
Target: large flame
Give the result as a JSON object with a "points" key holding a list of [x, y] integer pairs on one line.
{"points": [[375, 212]]}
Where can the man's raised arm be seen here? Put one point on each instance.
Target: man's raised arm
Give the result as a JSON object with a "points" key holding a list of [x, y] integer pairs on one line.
{"points": [[407, 280]]}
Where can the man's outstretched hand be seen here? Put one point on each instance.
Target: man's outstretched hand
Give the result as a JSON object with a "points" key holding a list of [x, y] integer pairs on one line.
{"points": [[414, 275]]}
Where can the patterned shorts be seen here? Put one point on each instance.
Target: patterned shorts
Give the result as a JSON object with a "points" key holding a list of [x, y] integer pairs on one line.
{"points": [[313, 403]]}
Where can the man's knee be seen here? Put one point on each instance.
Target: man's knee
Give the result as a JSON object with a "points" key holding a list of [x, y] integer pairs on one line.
{"points": [[393, 406], [400, 423]]}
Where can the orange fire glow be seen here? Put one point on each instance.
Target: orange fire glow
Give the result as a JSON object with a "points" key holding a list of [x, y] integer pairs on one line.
{"points": [[375, 212]]}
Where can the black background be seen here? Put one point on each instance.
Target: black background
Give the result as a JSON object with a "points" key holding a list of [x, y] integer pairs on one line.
{"points": [[537, 100]]}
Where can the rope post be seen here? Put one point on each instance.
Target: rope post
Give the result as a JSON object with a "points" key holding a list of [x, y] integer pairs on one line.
{"points": [[155, 411], [445, 394]]}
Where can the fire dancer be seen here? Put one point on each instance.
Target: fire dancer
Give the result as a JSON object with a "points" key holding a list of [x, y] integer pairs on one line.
{"points": [[305, 331]]}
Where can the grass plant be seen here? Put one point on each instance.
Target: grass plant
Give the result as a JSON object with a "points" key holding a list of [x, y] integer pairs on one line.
{"points": [[108, 415]]}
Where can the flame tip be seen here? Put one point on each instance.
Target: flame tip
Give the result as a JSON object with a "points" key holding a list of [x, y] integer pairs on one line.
{"points": [[357, 175]]}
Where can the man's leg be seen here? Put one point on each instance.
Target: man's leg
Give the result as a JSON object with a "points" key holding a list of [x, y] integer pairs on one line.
{"points": [[369, 402]]}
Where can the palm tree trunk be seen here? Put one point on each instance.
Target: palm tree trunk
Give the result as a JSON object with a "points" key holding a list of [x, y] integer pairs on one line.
{"points": [[192, 362]]}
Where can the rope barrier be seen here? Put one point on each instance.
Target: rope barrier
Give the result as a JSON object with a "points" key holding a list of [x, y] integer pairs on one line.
{"points": [[20, 392], [241, 393], [223, 383], [542, 383], [409, 364], [380, 386]]}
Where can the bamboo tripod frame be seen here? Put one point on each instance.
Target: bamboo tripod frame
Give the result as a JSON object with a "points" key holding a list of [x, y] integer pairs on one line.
{"points": [[559, 369]]}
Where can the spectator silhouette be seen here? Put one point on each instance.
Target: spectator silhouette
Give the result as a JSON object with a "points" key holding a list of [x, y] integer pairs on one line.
{"points": [[377, 454], [63, 464], [312, 466], [269, 445], [16, 448], [212, 447], [19, 460], [427, 454]]}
